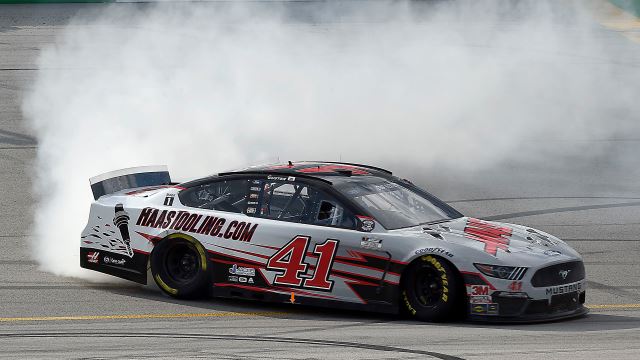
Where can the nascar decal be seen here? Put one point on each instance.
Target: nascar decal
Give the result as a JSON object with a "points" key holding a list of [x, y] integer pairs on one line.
{"points": [[196, 223], [494, 237]]}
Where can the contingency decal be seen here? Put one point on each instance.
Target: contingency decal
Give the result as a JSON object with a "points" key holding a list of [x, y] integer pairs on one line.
{"points": [[197, 224], [494, 237]]}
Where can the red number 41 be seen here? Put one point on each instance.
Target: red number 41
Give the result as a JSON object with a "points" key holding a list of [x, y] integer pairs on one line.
{"points": [[290, 261]]}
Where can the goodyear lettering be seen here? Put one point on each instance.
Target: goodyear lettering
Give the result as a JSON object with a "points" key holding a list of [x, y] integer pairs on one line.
{"points": [[434, 250], [408, 304], [196, 223], [445, 281]]}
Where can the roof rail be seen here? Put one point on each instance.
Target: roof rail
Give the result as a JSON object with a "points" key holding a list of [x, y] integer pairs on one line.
{"points": [[354, 164], [276, 172]]}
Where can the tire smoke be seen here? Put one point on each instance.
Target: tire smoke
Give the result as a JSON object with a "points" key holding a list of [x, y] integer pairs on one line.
{"points": [[443, 87]]}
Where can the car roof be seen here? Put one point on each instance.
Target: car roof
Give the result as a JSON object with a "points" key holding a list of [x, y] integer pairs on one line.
{"points": [[319, 170]]}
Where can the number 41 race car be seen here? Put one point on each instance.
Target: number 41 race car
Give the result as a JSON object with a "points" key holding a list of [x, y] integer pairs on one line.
{"points": [[326, 234]]}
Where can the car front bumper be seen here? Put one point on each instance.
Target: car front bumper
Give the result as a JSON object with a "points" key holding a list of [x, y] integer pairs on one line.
{"points": [[518, 310]]}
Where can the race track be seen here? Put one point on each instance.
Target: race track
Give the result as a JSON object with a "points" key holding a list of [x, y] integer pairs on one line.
{"points": [[44, 316]]}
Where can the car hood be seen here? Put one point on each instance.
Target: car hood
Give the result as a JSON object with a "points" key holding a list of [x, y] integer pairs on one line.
{"points": [[496, 242]]}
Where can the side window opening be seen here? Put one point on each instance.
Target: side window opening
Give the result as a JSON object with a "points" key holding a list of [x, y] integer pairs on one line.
{"points": [[229, 196], [285, 201], [330, 213], [301, 203]]}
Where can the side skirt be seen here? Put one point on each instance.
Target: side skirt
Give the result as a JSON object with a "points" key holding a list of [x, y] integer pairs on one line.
{"points": [[262, 294]]}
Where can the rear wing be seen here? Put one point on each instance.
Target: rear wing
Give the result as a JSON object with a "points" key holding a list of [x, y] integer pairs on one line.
{"points": [[114, 181]]}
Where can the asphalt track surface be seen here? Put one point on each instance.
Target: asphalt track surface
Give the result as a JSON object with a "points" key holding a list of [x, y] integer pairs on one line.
{"points": [[44, 316]]}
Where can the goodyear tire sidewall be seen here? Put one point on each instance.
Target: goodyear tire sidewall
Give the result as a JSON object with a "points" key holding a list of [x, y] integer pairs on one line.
{"points": [[194, 288], [446, 304]]}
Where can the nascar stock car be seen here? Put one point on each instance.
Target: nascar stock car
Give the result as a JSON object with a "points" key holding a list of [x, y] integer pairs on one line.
{"points": [[326, 234]]}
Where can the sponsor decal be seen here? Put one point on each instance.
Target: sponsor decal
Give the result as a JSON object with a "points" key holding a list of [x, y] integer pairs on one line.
{"points": [[254, 188], [484, 309], [494, 237], [492, 309], [372, 244], [250, 281], [121, 221], [366, 223], [251, 210], [238, 270], [564, 289], [281, 178], [253, 196], [434, 250], [483, 299], [197, 224], [233, 278], [515, 286], [114, 261], [242, 279], [552, 252], [93, 256], [252, 203], [477, 290]]}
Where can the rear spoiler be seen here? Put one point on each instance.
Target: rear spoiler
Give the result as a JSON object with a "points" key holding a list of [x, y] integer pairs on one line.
{"points": [[114, 181]]}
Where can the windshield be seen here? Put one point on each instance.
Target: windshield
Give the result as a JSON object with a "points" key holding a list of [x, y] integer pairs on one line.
{"points": [[395, 205]]}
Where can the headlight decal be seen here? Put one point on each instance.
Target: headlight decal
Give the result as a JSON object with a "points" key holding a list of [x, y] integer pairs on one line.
{"points": [[502, 272]]}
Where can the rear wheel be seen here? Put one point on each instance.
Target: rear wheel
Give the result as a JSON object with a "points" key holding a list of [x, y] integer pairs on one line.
{"points": [[431, 290], [180, 267]]}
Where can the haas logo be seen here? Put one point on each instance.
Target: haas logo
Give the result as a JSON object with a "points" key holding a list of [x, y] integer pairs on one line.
{"points": [[564, 273], [92, 256]]}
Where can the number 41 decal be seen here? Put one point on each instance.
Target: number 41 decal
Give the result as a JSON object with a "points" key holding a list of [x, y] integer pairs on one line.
{"points": [[289, 261]]}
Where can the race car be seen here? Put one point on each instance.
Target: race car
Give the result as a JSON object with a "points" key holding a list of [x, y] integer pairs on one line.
{"points": [[328, 234]]}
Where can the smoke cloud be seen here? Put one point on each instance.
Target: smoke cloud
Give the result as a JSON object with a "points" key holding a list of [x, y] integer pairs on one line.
{"points": [[447, 86]]}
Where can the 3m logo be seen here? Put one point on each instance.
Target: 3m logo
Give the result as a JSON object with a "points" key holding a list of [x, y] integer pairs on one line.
{"points": [[478, 290], [494, 237], [92, 256]]}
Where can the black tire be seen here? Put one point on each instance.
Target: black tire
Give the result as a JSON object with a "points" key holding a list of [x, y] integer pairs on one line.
{"points": [[180, 267], [431, 290]]}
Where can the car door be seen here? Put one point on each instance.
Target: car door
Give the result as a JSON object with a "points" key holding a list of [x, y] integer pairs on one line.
{"points": [[316, 249]]}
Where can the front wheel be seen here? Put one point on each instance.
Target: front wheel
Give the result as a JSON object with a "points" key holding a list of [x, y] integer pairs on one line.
{"points": [[431, 290], [180, 267]]}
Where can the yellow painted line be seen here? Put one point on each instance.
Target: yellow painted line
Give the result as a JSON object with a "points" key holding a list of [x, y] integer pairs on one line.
{"points": [[140, 316], [614, 306]]}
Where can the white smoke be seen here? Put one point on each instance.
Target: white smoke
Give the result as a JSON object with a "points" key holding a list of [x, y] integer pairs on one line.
{"points": [[204, 88]]}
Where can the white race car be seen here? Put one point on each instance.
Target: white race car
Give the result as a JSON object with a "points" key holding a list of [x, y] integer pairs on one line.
{"points": [[326, 234]]}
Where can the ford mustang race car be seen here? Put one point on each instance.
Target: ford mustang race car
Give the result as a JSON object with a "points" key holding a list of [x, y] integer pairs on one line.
{"points": [[326, 234]]}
